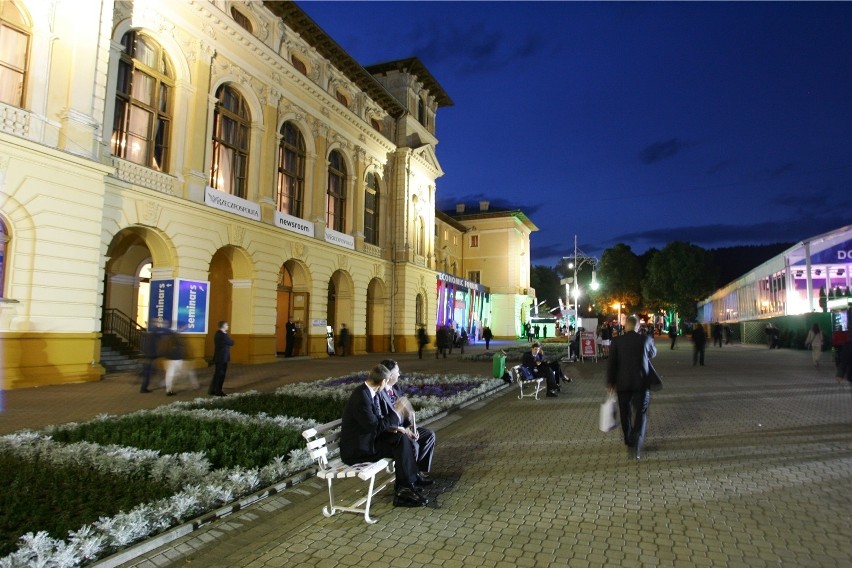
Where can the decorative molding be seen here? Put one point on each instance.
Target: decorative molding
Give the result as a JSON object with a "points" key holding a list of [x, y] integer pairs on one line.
{"points": [[148, 212], [343, 262], [145, 177], [236, 235], [298, 250], [373, 250]]}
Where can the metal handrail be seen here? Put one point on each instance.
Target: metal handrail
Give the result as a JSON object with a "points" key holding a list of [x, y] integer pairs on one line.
{"points": [[121, 325]]}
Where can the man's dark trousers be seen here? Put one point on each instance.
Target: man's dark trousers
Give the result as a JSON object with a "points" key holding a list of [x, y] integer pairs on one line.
{"points": [[633, 409]]}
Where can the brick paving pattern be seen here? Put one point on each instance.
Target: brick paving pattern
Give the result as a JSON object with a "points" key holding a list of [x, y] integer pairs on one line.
{"points": [[747, 464]]}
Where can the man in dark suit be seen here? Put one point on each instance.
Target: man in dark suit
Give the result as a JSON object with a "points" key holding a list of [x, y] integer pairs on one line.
{"points": [[222, 343], [533, 360], [627, 374], [365, 435], [394, 404], [290, 338]]}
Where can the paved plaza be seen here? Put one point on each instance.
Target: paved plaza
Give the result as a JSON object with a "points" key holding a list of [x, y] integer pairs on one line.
{"points": [[747, 464]]}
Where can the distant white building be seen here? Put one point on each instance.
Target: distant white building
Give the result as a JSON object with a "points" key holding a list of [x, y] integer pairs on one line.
{"points": [[792, 283]]}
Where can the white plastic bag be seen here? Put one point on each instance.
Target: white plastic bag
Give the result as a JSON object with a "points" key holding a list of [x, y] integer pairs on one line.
{"points": [[609, 414]]}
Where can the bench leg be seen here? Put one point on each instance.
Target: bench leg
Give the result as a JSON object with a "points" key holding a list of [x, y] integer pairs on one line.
{"points": [[330, 509], [369, 501]]}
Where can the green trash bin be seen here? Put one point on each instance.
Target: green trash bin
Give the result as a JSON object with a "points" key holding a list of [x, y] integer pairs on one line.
{"points": [[498, 365]]}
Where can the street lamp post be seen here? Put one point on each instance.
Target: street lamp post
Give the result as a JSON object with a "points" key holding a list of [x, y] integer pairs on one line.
{"points": [[577, 260]]}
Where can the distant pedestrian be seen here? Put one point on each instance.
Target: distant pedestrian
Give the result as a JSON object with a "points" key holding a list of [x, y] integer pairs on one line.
{"points": [[442, 338], [487, 336], [175, 352], [699, 341], [717, 334], [673, 334], [222, 343], [422, 341], [344, 339], [814, 341], [290, 338], [844, 360], [151, 351]]}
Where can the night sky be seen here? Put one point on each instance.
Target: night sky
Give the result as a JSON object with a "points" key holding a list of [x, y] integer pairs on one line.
{"points": [[719, 124]]}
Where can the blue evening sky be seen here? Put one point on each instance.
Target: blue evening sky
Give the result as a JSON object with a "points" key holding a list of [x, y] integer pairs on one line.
{"points": [[715, 123]]}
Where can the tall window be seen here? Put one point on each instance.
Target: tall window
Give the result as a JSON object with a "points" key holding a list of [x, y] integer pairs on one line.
{"points": [[299, 65], [4, 239], [421, 111], [419, 237], [474, 276], [474, 241], [371, 210], [336, 194], [143, 95], [14, 53], [231, 128], [419, 310], [291, 170]]}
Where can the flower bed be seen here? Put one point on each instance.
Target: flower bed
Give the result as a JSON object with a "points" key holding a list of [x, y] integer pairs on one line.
{"points": [[126, 478]]}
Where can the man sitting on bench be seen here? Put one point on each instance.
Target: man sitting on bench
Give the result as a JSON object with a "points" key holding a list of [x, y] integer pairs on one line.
{"points": [[365, 436], [533, 361], [395, 404]]}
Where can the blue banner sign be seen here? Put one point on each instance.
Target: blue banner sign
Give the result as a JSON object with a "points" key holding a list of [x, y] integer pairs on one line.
{"points": [[162, 301], [193, 300]]}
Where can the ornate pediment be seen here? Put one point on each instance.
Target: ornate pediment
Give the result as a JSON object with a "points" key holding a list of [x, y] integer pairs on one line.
{"points": [[426, 155]]}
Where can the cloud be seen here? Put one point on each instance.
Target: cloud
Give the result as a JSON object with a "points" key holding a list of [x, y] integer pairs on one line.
{"points": [[657, 151], [473, 48]]}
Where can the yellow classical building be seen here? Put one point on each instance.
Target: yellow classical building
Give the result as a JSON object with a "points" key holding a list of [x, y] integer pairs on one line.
{"points": [[204, 161]]}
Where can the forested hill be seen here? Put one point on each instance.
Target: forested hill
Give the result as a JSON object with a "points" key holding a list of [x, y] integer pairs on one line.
{"points": [[734, 262]]}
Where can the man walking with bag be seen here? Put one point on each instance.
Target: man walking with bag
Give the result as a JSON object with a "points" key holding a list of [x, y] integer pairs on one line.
{"points": [[628, 376]]}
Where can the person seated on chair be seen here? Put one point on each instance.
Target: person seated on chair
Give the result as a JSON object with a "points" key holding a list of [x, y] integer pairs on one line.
{"points": [[533, 360], [397, 404], [366, 436]]}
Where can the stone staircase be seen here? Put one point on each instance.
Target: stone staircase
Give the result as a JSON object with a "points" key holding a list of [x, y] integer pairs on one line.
{"points": [[117, 360]]}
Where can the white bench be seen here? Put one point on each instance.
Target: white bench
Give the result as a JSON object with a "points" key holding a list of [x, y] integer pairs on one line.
{"points": [[321, 440], [522, 381]]}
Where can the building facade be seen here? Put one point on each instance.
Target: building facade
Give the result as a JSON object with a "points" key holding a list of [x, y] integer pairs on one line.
{"points": [[206, 160], [494, 250], [809, 277]]}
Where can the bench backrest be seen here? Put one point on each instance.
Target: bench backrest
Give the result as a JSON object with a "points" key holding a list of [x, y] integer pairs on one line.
{"points": [[321, 440]]}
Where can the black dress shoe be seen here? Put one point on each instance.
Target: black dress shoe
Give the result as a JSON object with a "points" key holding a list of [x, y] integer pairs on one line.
{"points": [[170, 393], [144, 390], [408, 497], [552, 394], [423, 482]]}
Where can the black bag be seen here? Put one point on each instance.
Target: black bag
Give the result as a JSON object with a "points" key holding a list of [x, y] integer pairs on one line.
{"points": [[654, 378]]}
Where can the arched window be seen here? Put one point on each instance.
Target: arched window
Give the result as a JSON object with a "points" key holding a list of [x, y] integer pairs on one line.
{"points": [[336, 194], [299, 65], [421, 111], [242, 20], [4, 240], [143, 99], [371, 210], [14, 53], [419, 310], [231, 128], [291, 170], [419, 237]]}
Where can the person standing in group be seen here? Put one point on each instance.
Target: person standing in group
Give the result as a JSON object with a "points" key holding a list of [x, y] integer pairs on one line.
{"points": [[814, 341], [422, 341], [699, 341], [440, 341], [844, 360], [627, 376], [487, 336], [290, 338], [222, 343], [717, 334]]}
